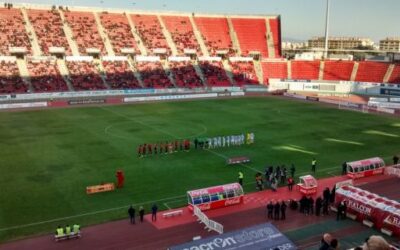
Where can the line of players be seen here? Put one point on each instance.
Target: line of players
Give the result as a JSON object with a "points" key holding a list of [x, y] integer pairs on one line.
{"points": [[168, 147], [224, 141]]}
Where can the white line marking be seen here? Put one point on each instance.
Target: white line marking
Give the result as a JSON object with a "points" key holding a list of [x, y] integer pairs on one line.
{"points": [[89, 213], [166, 205]]}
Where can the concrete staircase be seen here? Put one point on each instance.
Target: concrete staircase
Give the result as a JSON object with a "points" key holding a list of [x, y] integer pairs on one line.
{"points": [[289, 69], [199, 37], [354, 72], [24, 73], [228, 71], [321, 70], [135, 72], [235, 41], [62, 67], [102, 72], [135, 34], [168, 71], [31, 34], [168, 37], [259, 72], [200, 73], [69, 35], [388, 73], [270, 40], [103, 35]]}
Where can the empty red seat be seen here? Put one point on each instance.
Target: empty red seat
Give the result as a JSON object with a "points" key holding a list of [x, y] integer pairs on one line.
{"points": [[275, 25], [276, 70], [49, 30], [305, 70], [45, 77], [395, 76], [371, 71], [338, 70]]}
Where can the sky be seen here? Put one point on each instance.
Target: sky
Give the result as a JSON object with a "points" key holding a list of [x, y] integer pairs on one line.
{"points": [[301, 19]]}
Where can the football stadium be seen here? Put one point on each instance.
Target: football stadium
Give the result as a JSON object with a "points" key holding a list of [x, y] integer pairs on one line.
{"points": [[148, 129]]}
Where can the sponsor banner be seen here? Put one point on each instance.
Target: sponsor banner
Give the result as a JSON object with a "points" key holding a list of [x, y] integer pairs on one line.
{"points": [[386, 91], [344, 183], [4, 97], [168, 97], [241, 93], [231, 89], [385, 110], [295, 96], [224, 94], [312, 98], [378, 99], [256, 89], [394, 99], [86, 101], [23, 105], [263, 236]]}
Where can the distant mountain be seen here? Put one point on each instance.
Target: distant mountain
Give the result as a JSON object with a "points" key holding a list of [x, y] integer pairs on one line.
{"points": [[292, 40]]}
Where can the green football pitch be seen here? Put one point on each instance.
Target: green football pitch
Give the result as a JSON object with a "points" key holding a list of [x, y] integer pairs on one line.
{"points": [[48, 157]]}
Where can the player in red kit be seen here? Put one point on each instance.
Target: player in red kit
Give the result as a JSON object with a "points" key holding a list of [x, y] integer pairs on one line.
{"points": [[120, 178]]}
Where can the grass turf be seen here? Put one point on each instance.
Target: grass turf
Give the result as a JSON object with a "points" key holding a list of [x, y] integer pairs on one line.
{"points": [[48, 157]]}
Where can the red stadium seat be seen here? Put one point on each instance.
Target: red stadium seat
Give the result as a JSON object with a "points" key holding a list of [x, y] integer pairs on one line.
{"points": [[153, 75], [214, 74], [275, 24], [45, 77], [85, 76], [371, 71], [10, 80], [395, 76], [244, 73], [185, 75], [305, 70], [338, 70], [276, 70], [119, 76]]}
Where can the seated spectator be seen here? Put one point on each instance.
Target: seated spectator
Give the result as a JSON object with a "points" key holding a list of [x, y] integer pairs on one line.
{"points": [[376, 242]]}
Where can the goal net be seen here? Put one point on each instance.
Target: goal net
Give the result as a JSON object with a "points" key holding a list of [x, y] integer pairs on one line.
{"points": [[353, 106]]}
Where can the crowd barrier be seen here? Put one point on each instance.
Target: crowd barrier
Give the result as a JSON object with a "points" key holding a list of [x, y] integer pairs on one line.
{"points": [[393, 170], [209, 224]]}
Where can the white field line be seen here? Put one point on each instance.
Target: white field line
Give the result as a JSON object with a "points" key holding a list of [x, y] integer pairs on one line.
{"points": [[89, 213]]}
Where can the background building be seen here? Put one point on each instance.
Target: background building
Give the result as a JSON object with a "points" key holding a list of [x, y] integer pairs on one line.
{"points": [[390, 44], [341, 42]]}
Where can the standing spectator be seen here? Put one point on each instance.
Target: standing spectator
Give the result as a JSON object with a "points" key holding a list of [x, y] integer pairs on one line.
{"points": [[332, 194], [313, 165], [395, 160], [283, 174], [339, 210], [325, 206], [292, 170], [344, 168], [318, 205], [270, 209], [283, 210], [131, 212], [274, 184], [240, 178], [277, 209], [196, 142], [325, 242], [334, 244], [154, 209], [344, 210], [290, 182], [302, 204], [259, 182], [306, 206], [311, 205], [141, 213], [326, 194]]}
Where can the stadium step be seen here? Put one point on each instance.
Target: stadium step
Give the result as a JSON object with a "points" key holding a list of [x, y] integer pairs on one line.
{"points": [[199, 37], [270, 40], [135, 72], [69, 35], [228, 71], [321, 70], [62, 67], [289, 69], [103, 35], [138, 39], [31, 34], [233, 35], [354, 72], [167, 70], [102, 72], [24, 73], [259, 72], [200, 73], [388, 73], [168, 37]]}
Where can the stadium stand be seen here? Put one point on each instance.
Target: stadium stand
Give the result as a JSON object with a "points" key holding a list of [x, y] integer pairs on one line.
{"points": [[84, 29], [395, 76], [185, 75], [84, 76], [244, 73], [371, 71], [149, 29], [45, 76], [215, 33], [275, 24], [277, 70], [338, 70], [251, 34], [12, 31], [153, 75], [10, 80], [305, 70], [119, 75], [182, 33], [119, 31], [215, 74], [49, 30]]}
